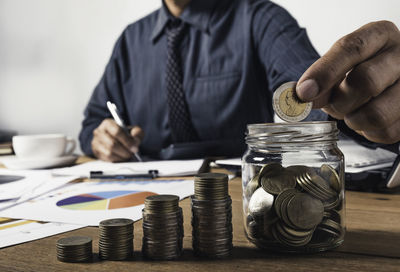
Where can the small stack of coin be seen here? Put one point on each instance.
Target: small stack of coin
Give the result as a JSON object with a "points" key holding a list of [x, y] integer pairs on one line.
{"points": [[162, 227], [116, 239], [295, 206], [74, 249], [212, 216]]}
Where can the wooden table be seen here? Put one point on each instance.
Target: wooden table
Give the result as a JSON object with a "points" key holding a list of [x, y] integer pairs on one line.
{"points": [[372, 243]]}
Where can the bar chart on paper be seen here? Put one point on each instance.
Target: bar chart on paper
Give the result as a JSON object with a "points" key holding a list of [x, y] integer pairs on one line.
{"points": [[106, 200]]}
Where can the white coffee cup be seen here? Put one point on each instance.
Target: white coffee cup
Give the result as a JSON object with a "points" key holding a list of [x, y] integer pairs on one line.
{"points": [[43, 146]]}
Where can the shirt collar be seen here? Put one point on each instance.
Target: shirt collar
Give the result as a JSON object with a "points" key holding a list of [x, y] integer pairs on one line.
{"points": [[197, 13]]}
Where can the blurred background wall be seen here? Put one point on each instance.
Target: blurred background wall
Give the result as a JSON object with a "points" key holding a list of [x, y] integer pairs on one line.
{"points": [[53, 52]]}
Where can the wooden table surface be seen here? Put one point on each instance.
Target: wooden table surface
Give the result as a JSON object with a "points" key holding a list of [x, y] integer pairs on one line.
{"points": [[372, 243]]}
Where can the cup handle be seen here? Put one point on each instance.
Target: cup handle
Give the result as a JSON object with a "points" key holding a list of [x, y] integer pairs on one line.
{"points": [[72, 144]]}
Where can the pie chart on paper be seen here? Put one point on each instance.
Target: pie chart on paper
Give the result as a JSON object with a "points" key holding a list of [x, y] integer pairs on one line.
{"points": [[108, 200]]}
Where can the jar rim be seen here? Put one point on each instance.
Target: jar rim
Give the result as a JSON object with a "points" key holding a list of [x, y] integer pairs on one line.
{"points": [[290, 133], [309, 123]]}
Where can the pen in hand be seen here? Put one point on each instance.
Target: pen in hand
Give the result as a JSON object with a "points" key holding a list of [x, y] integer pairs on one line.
{"points": [[114, 112]]}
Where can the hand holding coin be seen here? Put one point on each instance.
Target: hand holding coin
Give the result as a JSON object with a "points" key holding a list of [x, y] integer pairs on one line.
{"points": [[357, 81]]}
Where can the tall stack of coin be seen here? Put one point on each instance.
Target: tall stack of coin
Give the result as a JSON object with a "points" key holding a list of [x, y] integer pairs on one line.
{"points": [[116, 239], [162, 227], [295, 206], [212, 216], [74, 249]]}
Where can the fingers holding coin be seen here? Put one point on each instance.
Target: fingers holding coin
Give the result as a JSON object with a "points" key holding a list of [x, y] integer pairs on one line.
{"points": [[358, 81], [287, 105]]}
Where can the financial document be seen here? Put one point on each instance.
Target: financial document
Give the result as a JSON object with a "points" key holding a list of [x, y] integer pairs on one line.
{"points": [[164, 168], [15, 231], [31, 185], [89, 202]]}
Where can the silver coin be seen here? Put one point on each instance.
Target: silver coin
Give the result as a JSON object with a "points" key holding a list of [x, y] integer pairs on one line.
{"points": [[252, 186], [328, 173], [260, 202], [304, 211]]}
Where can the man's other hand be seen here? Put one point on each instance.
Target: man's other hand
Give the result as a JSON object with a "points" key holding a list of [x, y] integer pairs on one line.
{"points": [[357, 81], [111, 143]]}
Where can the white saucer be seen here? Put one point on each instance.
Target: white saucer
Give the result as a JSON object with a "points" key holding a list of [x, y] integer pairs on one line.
{"points": [[14, 163]]}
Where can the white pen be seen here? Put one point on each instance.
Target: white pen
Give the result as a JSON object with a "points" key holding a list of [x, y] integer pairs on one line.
{"points": [[114, 112]]}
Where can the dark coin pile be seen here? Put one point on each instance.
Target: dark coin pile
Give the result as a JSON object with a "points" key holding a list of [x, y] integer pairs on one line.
{"points": [[212, 216], [162, 227], [294, 207], [116, 239], [74, 249]]}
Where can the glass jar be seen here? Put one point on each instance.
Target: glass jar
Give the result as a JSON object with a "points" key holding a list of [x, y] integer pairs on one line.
{"points": [[293, 187]]}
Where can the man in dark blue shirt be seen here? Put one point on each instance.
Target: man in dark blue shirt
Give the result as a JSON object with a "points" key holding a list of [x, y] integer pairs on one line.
{"points": [[232, 56]]}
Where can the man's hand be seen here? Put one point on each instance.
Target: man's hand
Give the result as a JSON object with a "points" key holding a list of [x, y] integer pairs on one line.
{"points": [[357, 81], [111, 143]]}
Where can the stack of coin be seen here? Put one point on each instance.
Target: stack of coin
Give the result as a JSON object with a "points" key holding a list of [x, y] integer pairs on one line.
{"points": [[74, 249], [211, 186], [296, 206], [162, 227], [116, 239], [212, 216]]}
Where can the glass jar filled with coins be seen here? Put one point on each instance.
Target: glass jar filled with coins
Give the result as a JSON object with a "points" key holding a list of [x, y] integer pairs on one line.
{"points": [[293, 187]]}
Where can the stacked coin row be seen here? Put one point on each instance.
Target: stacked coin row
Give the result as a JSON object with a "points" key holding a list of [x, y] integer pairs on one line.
{"points": [[116, 239], [297, 206], [74, 249], [212, 216], [162, 227]]}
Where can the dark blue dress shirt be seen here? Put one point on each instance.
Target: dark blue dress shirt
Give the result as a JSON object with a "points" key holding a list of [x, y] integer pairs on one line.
{"points": [[234, 55]]}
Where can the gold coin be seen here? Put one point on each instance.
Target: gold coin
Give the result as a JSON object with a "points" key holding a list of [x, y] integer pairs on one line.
{"points": [[269, 169], [330, 174], [304, 211], [287, 105], [278, 183]]}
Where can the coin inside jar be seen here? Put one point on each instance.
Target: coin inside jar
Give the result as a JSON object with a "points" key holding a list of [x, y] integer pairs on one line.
{"points": [[278, 183], [288, 106], [330, 174], [260, 202], [304, 211], [252, 186]]}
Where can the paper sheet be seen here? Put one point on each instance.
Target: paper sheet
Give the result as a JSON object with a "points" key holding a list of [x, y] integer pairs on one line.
{"points": [[88, 203], [34, 184], [165, 168], [13, 231]]}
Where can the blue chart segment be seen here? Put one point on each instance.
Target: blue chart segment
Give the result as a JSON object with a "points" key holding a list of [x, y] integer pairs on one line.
{"points": [[107, 200]]}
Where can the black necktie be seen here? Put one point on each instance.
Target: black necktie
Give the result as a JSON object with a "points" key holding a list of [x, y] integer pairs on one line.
{"points": [[178, 113]]}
